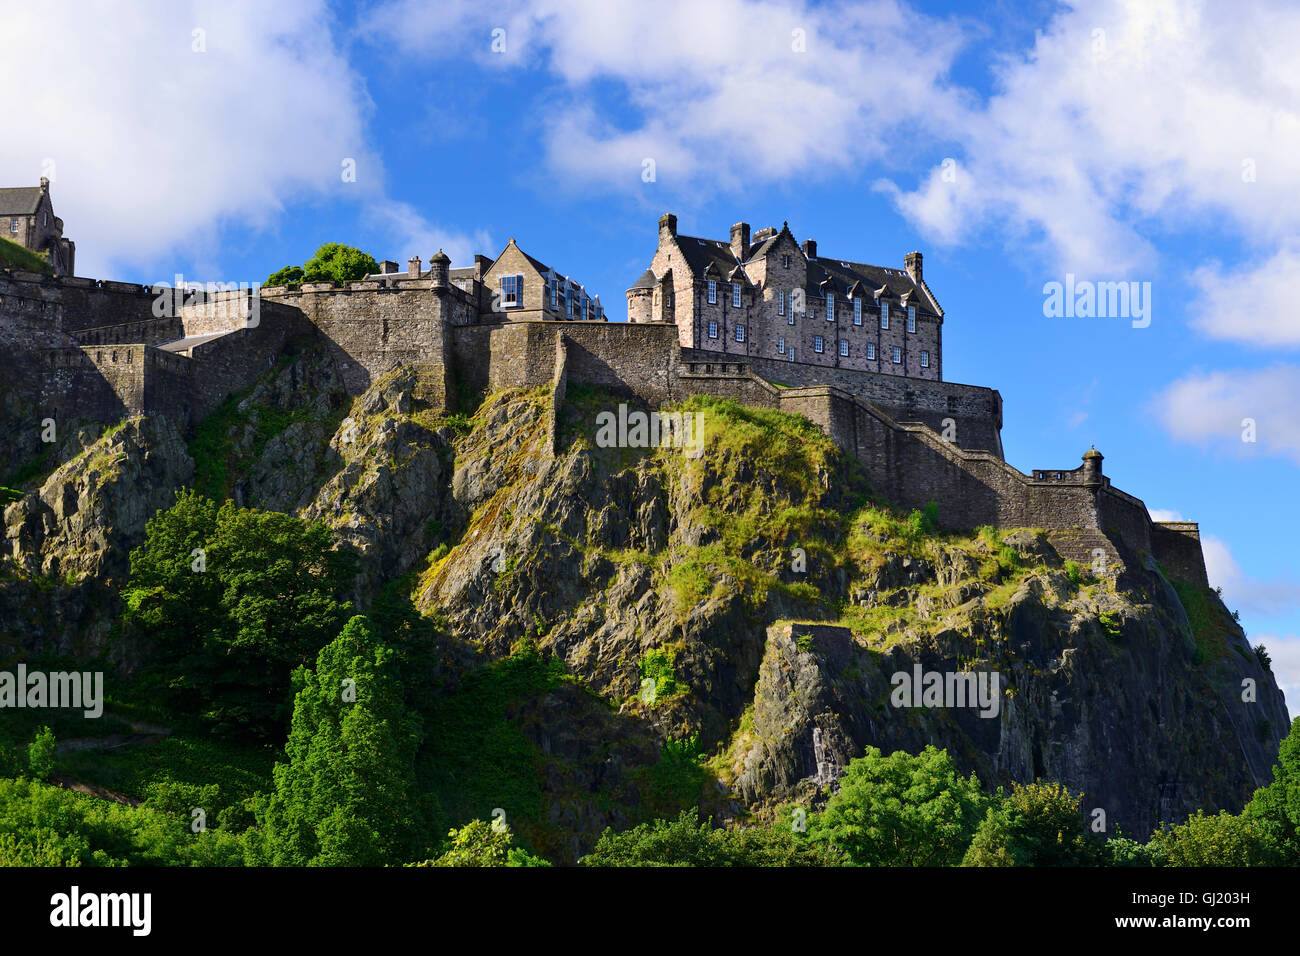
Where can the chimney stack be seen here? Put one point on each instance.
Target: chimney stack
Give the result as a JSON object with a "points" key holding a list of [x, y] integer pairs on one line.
{"points": [[45, 184], [740, 240], [912, 263], [413, 267], [810, 248], [667, 226]]}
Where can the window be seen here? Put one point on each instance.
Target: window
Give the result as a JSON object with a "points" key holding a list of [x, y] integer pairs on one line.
{"points": [[713, 330], [857, 311], [735, 294], [925, 360], [898, 356], [911, 318], [844, 347], [554, 283], [740, 333], [790, 320], [45, 219], [785, 262], [780, 303], [871, 351], [568, 302], [884, 315], [830, 306], [13, 225], [818, 345], [780, 344], [512, 291], [713, 291], [812, 313]]}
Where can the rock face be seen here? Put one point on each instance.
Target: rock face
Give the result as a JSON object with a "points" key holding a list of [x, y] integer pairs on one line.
{"points": [[754, 599]]}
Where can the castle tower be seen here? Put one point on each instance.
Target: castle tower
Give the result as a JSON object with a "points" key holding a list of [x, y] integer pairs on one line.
{"points": [[440, 269], [1092, 466], [640, 299]]}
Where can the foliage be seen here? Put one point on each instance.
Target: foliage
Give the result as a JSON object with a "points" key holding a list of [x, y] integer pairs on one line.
{"points": [[335, 262], [346, 795], [902, 810], [1037, 824], [686, 842], [483, 843], [1274, 811], [659, 665], [233, 600], [40, 754], [290, 276], [1219, 840]]}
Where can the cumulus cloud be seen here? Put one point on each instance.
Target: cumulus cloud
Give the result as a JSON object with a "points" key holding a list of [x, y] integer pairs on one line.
{"points": [[1125, 113], [1215, 409], [1253, 304], [1284, 651], [715, 92]]}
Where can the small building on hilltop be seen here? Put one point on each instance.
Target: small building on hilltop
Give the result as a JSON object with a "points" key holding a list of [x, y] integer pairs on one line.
{"points": [[27, 218]]}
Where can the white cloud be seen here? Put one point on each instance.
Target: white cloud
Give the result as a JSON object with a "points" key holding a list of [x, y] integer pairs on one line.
{"points": [[156, 147], [1210, 408], [1284, 652], [1164, 514], [1259, 596], [1254, 304], [1127, 117], [414, 235], [718, 93]]}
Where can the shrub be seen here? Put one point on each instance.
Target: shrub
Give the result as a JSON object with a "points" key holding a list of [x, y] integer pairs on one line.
{"points": [[40, 754]]}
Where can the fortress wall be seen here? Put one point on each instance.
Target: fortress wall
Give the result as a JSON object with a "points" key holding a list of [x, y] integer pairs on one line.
{"points": [[1125, 519], [1177, 546], [104, 384], [226, 365], [976, 412], [372, 328], [151, 331], [77, 304], [169, 386]]}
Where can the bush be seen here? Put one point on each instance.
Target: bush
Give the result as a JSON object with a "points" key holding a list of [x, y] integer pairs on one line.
{"points": [[685, 841], [1219, 840], [1037, 824], [40, 754]]}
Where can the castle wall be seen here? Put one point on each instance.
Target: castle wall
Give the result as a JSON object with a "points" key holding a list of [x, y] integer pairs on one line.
{"points": [[375, 326], [1177, 546], [76, 304], [975, 412]]}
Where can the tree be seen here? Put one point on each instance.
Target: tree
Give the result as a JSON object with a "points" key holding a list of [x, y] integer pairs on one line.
{"points": [[902, 810], [335, 262], [483, 843], [685, 841], [1274, 811], [1219, 840], [40, 754], [233, 600], [346, 793], [1037, 824], [289, 275]]}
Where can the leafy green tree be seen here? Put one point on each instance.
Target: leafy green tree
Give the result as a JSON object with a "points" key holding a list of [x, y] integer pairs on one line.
{"points": [[40, 754], [234, 599], [484, 843], [1037, 824], [335, 262], [1274, 811], [1219, 840], [289, 275], [902, 810], [346, 794], [685, 841]]}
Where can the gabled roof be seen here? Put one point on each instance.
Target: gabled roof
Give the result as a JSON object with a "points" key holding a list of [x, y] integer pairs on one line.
{"points": [[647, 281], [701, 253], [761, 249], [20, 200]]}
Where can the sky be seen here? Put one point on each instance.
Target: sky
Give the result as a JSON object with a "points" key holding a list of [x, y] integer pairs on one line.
{"points": [[1015, 144]]}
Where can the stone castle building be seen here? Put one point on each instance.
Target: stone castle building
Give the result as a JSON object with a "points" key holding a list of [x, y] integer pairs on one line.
{"points": [[27, 218], [742, 319]]}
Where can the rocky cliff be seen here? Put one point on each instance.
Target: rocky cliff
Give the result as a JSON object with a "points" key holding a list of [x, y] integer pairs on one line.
{"points": [[755, 601]]}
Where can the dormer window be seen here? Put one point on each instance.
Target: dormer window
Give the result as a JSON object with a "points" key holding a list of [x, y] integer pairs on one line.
{"points": [[554, 286], [735, 295], [857, 311], [911, 318], [713, 291], [884, 314], [830, 306]]}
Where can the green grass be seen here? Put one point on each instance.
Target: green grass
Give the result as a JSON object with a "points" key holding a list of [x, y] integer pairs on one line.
{"points": [[1209, 623], [14, 256]]}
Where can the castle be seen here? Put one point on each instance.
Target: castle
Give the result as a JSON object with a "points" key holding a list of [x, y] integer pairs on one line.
{"points": [[27, 218], [855, 348]]}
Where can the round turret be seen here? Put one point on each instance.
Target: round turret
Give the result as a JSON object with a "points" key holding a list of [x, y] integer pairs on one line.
{"points": [[640, 298], [1092, 465], [439, 268]]}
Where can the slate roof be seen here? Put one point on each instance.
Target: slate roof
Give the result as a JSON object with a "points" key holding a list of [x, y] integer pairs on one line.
{"points": [[701, 253], [647, 281], [20, 200]]}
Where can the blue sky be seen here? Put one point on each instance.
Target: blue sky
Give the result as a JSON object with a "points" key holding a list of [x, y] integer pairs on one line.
{"points": [[1156, 142]]}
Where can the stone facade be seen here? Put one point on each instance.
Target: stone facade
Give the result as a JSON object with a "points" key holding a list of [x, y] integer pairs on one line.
{"points": [[27, 218], [776, 299]]}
